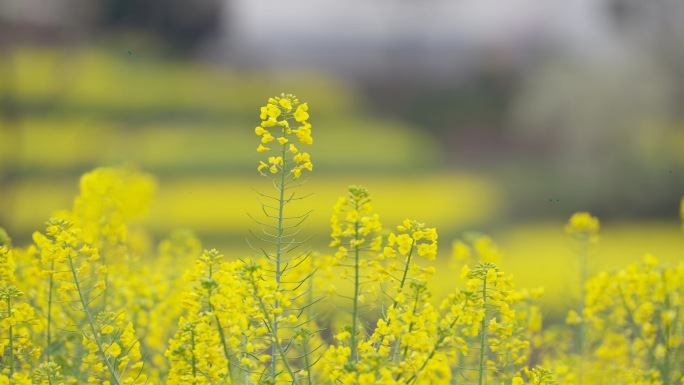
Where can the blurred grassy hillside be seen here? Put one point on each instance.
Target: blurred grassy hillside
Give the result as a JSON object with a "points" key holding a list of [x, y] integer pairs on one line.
{"points": [[67, 111], [191, 125], [174, 116]]}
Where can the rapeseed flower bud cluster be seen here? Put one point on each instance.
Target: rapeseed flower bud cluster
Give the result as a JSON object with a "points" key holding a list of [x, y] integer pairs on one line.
{"points": [[399, 266], [537, 376], [416, 234], [414, 342], [48, 374], [277, 116], [626, 330], [228, 331], [355, 233], [221, 335], [110, 199], [354, 224], [583, 225], [503, 344], [634, 323], [195, 353], [17, 319], [83, 334], [111, 351], [103, 219], [6, 265], [280, 283]]}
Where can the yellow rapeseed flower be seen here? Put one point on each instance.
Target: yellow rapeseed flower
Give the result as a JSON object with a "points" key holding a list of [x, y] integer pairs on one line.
{"points": [[275, 126], [582, 223]]}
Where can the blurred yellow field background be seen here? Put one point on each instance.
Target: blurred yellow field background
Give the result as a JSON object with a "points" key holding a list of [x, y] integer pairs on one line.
{"points": [[538, 254], [542, 254], [219, 206], [191, 126]]}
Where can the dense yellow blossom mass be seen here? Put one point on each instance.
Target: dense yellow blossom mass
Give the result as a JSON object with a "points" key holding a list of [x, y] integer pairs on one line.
{"points": [[85, 303]]}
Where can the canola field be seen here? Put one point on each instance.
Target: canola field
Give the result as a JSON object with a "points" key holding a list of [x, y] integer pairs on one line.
{"points": [[381, 297]]}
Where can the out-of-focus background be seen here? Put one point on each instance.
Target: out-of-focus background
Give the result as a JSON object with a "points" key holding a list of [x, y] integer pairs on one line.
{"points": [[499, 117]]}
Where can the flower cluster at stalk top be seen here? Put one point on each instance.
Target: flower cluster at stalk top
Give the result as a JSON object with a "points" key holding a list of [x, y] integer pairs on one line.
{"points": [[413, 232], [583, 224], [277, 136]]}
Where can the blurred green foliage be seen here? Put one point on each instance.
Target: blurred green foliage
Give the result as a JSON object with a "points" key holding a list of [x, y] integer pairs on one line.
{"points": [[192, 125], [84, 108]]}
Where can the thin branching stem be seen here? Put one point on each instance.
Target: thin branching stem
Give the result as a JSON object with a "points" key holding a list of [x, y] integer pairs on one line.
{"points": [[91, 322], [11, 338], [355, 309], [483, 335], [48, 331]]}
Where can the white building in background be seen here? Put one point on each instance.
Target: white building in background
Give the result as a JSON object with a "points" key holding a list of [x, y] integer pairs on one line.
{"points": [[430, 38]]}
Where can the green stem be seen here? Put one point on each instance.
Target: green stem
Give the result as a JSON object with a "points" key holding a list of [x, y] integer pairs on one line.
{"points": [[307, 363], [219, 328], [11, 338], [49, 313], [278, 273], [91, 323], [355, 309], [105, 293], [406, 269], [410, 329], [224, 344], [665, 372], [262, 305], [584, 272], [194, 360], [401, 287], [636, 330], [483, 336], [309, 316], [434, 350]]}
